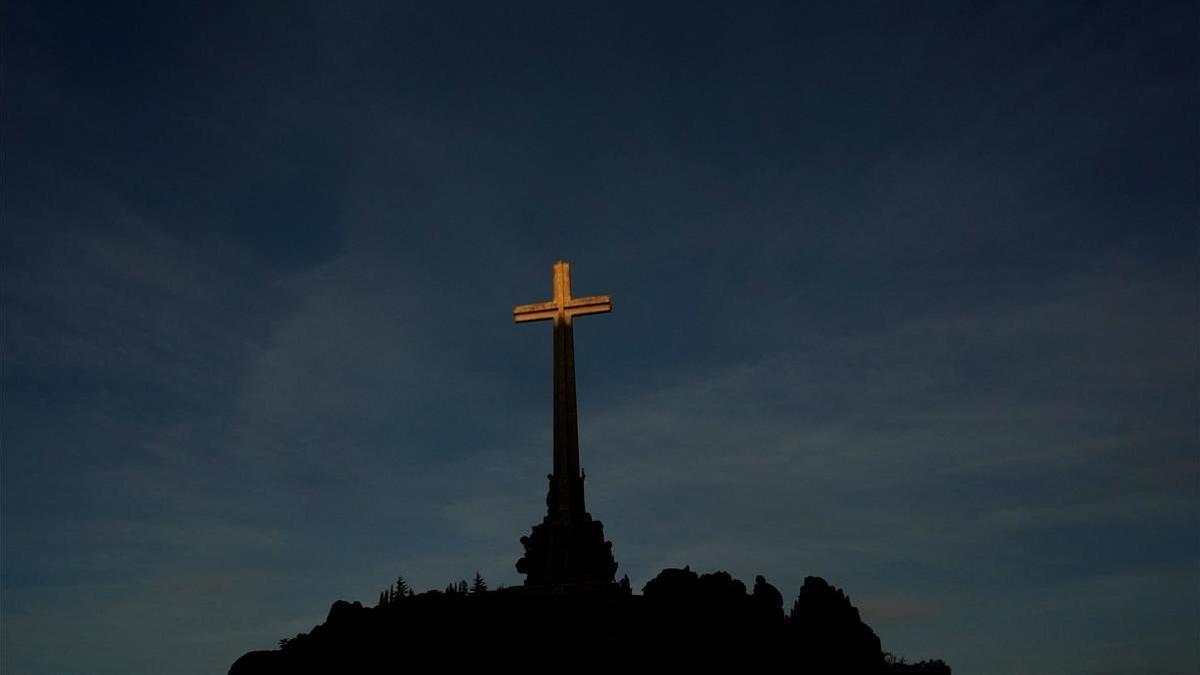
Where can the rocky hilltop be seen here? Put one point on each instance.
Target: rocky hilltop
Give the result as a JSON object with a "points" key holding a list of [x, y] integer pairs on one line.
{"points": [[681, 618]]}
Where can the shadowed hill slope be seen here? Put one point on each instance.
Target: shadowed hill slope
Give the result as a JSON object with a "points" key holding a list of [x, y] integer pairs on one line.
{"points": [[681, 619]]}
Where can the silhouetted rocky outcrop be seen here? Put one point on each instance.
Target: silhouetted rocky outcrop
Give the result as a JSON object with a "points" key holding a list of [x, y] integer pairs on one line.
{"points": [[829, 630], [767, 597], [681, 619]]}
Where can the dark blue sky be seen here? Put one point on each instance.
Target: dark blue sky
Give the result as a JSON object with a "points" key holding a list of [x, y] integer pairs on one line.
{"points": [[905, 295]]}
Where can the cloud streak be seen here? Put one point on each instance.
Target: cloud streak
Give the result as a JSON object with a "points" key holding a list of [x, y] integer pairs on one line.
{"points": [[909, 305]]}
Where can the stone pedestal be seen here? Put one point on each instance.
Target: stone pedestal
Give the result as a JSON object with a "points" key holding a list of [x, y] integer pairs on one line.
{"points": [[567, 548]]}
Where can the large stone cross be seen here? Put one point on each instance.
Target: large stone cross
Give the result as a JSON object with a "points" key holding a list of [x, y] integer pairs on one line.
{"points": [[566, 492]]}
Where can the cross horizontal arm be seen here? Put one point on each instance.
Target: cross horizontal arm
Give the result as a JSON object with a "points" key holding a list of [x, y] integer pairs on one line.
{"points": [[590, 300], [592, 308], [535, 307], [563, 306], [584, 311], [544, 315]]}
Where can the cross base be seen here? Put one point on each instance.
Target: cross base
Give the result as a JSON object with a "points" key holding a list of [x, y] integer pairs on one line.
{"points": [[567, 548]]}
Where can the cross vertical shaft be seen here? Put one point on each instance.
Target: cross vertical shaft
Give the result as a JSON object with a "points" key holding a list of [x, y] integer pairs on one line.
{"points": [[568, 485], [568, 546], [566, 495]]}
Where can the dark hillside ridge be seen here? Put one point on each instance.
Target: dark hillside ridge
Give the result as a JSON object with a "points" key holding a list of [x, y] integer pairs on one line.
{"points": [[681, 619]]}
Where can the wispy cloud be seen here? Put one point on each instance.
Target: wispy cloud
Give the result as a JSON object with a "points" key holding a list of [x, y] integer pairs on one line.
{"points": [[913, 311]]}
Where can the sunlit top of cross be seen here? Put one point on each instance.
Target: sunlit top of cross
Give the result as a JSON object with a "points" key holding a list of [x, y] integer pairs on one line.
{"points": [[563, 307]]}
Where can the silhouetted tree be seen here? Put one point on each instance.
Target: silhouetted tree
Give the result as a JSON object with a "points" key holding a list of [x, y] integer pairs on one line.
{"points": [[479, 585], [898, 666], [394, 592], [402, 589]]}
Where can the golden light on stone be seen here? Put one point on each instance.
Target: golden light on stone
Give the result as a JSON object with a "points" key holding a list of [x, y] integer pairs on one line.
{"points": [[568, 547]]}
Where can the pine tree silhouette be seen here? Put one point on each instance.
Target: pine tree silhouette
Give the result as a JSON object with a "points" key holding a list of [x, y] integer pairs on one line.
{"points": [[479, 585]]}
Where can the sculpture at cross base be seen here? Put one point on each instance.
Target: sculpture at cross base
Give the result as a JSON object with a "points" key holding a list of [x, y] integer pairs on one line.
{"points": [[567, 548]]}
